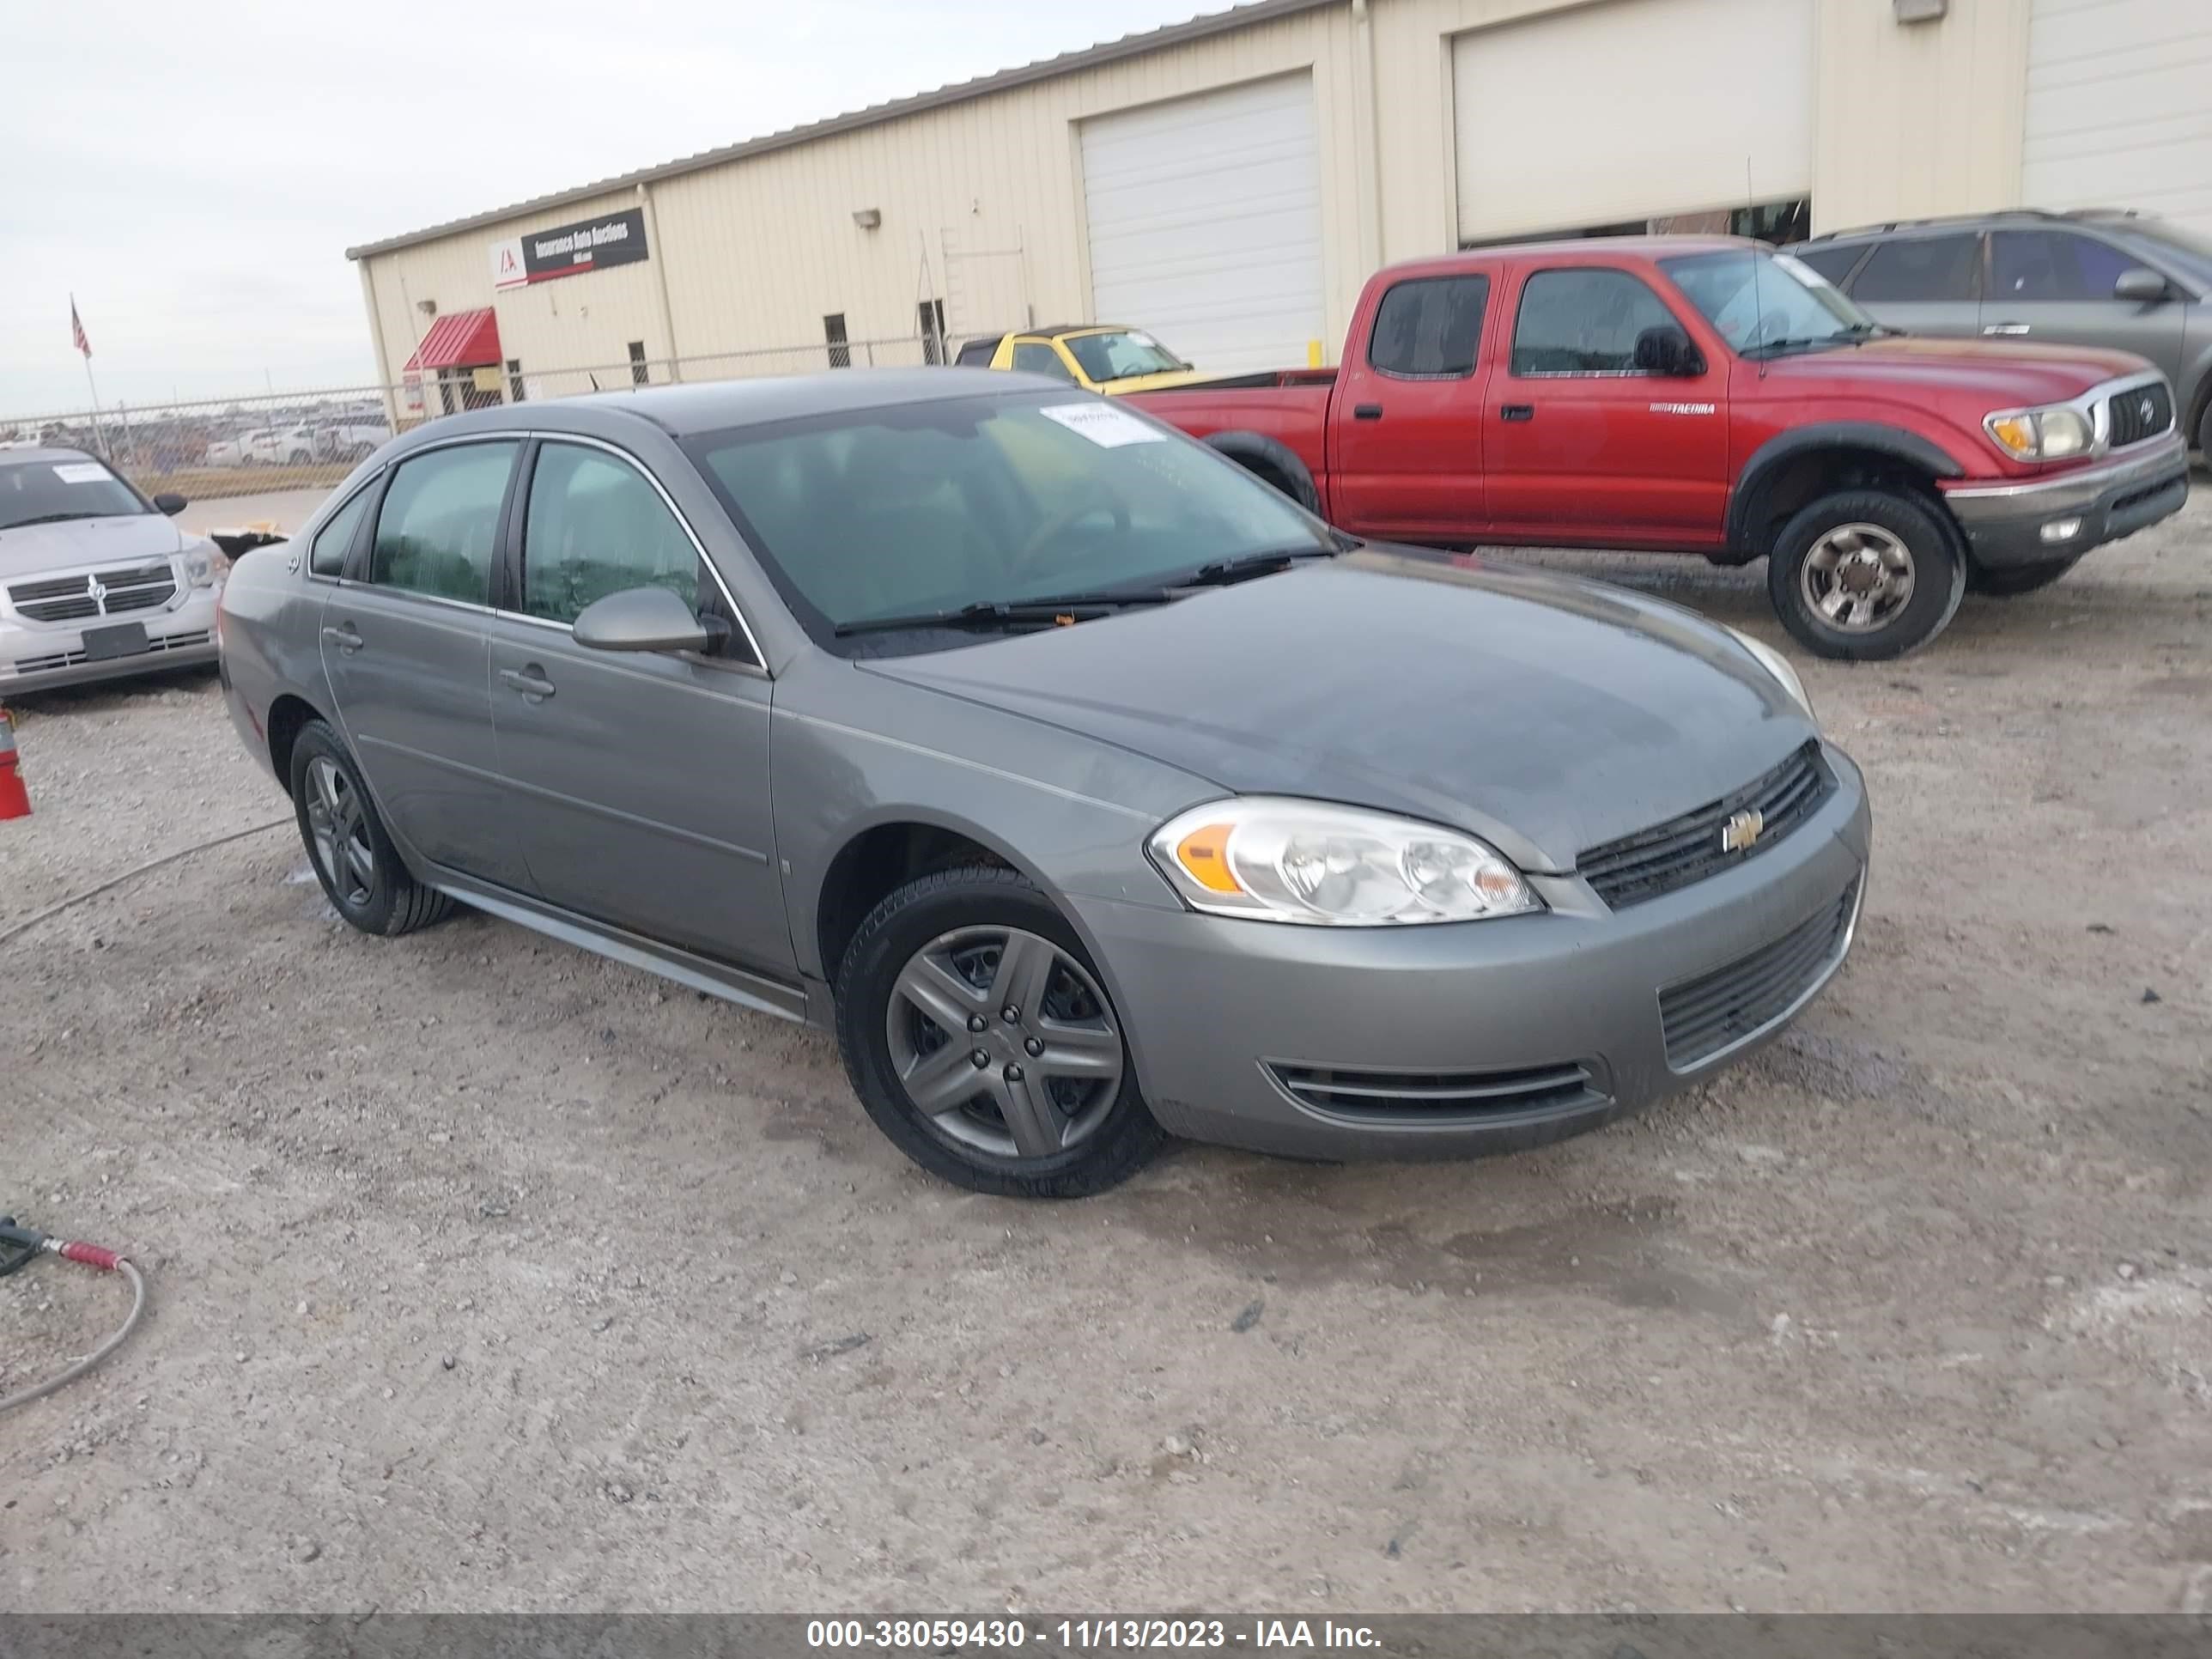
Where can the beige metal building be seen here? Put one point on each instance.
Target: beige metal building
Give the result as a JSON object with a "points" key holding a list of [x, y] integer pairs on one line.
{"points": [[1228, 182]]}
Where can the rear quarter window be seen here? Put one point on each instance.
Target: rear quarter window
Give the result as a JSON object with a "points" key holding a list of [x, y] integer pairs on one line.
{"points": [[1834, 264]]}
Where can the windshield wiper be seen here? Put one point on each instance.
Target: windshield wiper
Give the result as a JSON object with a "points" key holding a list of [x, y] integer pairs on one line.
{"points": [[52, 517], [997, 613], [1222, 572]]}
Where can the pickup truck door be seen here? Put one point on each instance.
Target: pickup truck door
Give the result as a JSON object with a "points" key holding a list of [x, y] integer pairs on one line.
{"points": [[1582, 447], [1406, 416]]}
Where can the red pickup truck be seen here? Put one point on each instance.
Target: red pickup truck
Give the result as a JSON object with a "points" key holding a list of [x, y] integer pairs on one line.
{"points": [[1708, 395]]}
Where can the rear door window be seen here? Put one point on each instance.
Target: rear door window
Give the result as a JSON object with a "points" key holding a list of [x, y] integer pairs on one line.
{"points": [[2053, 265], [1921, 270], [1429, 327], [1583, 322], [439, 525]]}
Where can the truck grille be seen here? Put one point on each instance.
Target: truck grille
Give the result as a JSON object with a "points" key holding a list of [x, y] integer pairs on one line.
{"points": [[2143, 412], [1716, 1011], [112, 591], [1438, 1096], [1689, 849]]}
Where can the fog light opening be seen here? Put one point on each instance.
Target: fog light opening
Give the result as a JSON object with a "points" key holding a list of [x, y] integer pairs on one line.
{"points": [[2060, 530]]}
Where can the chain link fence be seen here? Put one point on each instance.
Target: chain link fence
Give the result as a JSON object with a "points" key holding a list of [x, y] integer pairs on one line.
{"points": [[251, 445]]}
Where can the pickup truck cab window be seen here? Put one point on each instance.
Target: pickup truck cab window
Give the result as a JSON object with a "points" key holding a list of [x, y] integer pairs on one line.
{"points": [[1429, 327], [1041, 357], [1582, 320]]}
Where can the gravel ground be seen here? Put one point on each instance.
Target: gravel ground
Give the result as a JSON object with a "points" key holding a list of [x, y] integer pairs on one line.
{"points": [[488, 1275]]}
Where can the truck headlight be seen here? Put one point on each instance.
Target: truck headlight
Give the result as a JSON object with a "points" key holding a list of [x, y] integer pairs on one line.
{"points": [[1778, 666], [2040, 434], [1280, 860]]}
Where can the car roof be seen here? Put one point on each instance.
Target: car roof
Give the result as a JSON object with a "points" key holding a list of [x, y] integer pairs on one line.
{"points": [[34, 456], [2011, 218], [715, 406]]}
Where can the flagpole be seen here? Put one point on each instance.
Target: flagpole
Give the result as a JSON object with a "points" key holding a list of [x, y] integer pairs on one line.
{"points": [[90, 384]]}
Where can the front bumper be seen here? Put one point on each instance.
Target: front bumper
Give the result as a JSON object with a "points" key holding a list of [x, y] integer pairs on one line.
{"points": [[2018, 524], [1264, 1036], [41, 656]]}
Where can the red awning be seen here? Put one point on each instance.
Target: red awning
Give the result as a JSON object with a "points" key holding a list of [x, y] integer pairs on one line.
{"points": [[464, 339]]}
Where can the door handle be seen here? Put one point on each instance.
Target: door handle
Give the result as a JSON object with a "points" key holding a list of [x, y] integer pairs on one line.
{"points": [[347, 638], [531, 682], [1517, 411], [1367, 412], [2006, 328]]}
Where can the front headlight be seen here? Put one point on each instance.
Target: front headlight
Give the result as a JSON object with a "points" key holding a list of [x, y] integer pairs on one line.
{"points": [[2041, 435], [1276, 859], [1778, 666], [199, 566]]}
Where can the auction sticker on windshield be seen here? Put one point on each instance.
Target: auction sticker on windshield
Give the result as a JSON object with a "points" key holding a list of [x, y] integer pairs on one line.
{"points": [[1104, 424], [80, 473]]}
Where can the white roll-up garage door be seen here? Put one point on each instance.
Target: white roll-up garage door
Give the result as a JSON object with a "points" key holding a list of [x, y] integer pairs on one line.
{"points": [[2117, 110], [1630, 111], [1205, 220]]}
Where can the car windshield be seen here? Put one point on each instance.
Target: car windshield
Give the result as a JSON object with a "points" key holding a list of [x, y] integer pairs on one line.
{"points": [[52, 491], [929, 508], [1765, 303], [1121, 353]]}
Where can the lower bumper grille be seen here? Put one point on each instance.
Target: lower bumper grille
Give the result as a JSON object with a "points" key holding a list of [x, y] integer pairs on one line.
{"points": [[1438, 1096], [1701, 1016], [70, 659]]}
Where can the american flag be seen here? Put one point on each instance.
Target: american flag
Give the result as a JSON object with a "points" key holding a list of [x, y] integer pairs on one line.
{"points": [[76, 330]]}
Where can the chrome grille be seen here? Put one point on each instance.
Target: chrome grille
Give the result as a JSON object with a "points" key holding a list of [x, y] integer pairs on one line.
{"points": [[1701, 1016], [2141, 412], [1689, 848], [1438, 1097], [112, 591]]}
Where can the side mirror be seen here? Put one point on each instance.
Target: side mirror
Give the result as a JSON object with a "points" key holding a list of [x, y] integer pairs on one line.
{"points": [[1666, 349], [2139, 285], [169, 503], [643, 619]]}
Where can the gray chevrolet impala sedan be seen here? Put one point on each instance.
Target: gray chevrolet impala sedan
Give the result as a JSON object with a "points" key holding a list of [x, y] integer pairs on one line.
{"points": [[1091, 791]]}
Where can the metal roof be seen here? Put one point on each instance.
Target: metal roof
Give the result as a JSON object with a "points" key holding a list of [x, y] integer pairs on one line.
{"points": [[460, 339], [1129, 46]]}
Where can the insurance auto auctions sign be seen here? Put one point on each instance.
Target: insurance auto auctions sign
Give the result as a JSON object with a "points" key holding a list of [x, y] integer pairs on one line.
{"points": [[612, 239]]}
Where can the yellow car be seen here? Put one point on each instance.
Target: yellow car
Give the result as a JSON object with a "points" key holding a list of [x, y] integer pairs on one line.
{"points": [[1097, 356]]}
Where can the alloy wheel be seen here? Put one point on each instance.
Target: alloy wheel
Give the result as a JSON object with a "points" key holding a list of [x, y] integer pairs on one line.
{"points": [[338, 825], [1856, 577], [1004, 1042]]}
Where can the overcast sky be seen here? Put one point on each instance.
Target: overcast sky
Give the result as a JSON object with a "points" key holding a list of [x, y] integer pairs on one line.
{"points": [[194, 173]]}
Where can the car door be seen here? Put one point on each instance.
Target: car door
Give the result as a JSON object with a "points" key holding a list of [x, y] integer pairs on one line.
{"points": [[1406, 436], [1585, 448], [639, 780], [2056, 286], [404, 648], [1924, 285]]}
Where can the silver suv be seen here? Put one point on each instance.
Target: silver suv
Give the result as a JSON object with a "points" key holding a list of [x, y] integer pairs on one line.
{"points": [[95, 582], [2120, 281]]}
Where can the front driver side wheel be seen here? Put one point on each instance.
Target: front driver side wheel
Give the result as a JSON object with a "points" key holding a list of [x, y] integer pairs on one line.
{"points": [[1866, 574], [360, 870], [981, 1041]]}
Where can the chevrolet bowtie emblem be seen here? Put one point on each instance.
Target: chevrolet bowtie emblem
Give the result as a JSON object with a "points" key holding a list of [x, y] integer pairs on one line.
{"points": [[1742, 831]]}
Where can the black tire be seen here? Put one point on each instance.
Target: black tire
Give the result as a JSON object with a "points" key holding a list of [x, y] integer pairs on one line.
{"points": [[1271, 461], [387, 900], [1935, 561], [2204, 433], [2011, 580], [1123, 1134]]}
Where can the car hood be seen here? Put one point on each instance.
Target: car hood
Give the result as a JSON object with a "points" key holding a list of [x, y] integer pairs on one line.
{"points": [[77, 544], [2011, 376], [1543, 713]]}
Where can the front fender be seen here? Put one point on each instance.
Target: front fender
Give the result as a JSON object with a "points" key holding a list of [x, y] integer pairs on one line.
{"points": [[1896, 441]]}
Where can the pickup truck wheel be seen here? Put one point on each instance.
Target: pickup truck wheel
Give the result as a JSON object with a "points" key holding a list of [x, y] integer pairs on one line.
{"points": [[1273, 462], [2003, 583], [1866, 574], [982, 1042]]}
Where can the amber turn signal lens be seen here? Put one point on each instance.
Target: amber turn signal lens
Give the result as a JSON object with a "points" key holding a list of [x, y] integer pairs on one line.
{"points": [[1204, 855]]}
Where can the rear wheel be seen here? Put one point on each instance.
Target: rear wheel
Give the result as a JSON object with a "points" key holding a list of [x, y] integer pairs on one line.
{"points": [[2008, 580], [361, 871], [982, 1042], [1865, 574]]}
